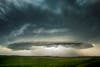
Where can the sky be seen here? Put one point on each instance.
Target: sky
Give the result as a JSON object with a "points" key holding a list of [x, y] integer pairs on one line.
{"points": [[49, 20]]}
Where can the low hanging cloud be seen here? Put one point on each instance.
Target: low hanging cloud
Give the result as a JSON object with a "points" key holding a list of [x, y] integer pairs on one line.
{"points": [[95, 51], [59, 51], [7, 51]]}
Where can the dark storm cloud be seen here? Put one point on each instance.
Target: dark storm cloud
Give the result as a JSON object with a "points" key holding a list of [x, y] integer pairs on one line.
{"points": [[21, 18], [28, 45], [50, 21], [16, 13], [82, 16]]}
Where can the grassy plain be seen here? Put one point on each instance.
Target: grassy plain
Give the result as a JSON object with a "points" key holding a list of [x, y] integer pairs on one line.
{"points": [[30, 61]]}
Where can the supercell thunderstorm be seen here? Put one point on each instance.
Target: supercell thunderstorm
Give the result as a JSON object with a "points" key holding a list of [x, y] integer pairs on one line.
{"points": [[49, 21]]}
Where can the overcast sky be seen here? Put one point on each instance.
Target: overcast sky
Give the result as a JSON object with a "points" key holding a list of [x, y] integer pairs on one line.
{"points": [[68, 20], [50, 20]]}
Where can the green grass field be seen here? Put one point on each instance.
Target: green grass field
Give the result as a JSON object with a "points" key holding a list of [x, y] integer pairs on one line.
{"points": [[21, 61]]}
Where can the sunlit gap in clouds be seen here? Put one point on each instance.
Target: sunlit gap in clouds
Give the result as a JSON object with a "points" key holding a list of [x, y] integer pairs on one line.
{"points": [[59, 50]]}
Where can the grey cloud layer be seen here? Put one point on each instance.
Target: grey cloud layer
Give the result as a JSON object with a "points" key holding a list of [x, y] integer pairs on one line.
{"points": [[49, 20], [59, 51], [76, 18], [15, 13]]}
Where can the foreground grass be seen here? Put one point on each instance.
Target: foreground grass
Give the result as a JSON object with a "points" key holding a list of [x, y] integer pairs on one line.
{"points": [[21, 61]]}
